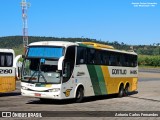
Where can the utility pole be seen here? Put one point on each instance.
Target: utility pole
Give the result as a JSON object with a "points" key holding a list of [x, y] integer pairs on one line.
{"points": [[25, 6]]}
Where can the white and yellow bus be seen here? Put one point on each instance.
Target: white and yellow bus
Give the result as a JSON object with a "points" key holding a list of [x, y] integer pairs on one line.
{"points": [[7, 71], [62, 70]]}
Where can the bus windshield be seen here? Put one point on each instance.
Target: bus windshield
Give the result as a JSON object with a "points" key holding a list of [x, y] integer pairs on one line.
{"points": [[41, 65], [45, 52], [36, 71]]}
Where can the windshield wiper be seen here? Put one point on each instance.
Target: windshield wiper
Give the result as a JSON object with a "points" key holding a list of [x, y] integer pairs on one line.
{"points": [[40, 74], [32, 76]]}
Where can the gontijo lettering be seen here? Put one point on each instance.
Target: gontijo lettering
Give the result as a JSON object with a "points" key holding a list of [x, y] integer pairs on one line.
{"points": [[119, 71]]}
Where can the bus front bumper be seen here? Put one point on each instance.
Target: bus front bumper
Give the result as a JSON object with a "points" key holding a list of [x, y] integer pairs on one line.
{"points": [[37, 94]]}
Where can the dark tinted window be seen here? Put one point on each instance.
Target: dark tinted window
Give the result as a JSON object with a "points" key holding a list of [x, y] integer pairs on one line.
{"points": [[69, 61], [91, 58], [81, 55], [102, 57], [6, 59], [113, 59]]}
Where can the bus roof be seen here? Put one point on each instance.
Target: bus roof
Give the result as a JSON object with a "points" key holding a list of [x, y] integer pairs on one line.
{"points": [[7, 50], [105, 47], [53, 43], [85, 44]]}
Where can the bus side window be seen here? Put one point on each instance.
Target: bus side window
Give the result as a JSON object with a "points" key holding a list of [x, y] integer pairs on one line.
{"points": [[118, 60], [130, 59], [106, 58], [113, 60], [99, 60], [126, 60], [122, 60], [6, 59], [81, 55], [69, 62], [2, 60], [9, 59], [91, 56], [135, 61], [67, 70]]}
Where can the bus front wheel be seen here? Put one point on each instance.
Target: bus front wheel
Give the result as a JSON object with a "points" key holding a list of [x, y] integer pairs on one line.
{"points": [[79, 95]]}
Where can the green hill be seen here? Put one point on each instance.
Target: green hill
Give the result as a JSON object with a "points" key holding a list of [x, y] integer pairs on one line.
{"points": [[16, 43], [149, 55]]}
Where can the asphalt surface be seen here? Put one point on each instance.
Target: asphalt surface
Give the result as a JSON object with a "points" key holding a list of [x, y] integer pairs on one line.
{"points": [[150, 70]]}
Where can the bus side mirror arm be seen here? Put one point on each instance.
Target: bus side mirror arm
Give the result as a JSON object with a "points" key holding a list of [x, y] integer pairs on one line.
{"points": [[60, 62], [23, 56], [16, 60]]}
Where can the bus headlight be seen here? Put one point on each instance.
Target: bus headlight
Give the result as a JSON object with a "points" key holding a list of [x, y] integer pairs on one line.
{"points": [[54, 90], [24, 88]]}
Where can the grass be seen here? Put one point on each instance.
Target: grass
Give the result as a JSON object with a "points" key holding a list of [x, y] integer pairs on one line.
{"points": [[19, 50]]}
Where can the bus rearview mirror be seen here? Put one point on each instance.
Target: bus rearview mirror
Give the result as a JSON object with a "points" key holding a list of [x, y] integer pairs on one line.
{"points": [[60, 62]]}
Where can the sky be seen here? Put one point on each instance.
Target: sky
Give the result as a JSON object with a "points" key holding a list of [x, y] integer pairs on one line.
{"points": [[133, 22]]}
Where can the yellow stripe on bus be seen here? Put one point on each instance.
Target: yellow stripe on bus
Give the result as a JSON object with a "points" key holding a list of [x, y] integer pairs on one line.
{"points": [[7, 84], [106, 76]]}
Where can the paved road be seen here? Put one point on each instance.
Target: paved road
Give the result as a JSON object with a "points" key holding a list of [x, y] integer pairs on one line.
{"points": [[146, 99], [151, 70]]}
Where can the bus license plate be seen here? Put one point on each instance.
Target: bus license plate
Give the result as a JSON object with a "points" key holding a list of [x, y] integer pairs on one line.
{"points": [[37, 94]]}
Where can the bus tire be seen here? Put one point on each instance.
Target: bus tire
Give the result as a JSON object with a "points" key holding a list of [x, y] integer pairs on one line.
{"points": [[121, 91], [126, 90], [79, 95]]}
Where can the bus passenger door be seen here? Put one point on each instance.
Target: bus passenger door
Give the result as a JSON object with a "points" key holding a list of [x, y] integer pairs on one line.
{"points": [[68, 68]]}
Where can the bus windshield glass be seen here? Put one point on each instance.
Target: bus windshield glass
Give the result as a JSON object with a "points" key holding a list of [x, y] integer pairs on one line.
{"points": [[41, 65], [45, 52]]}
